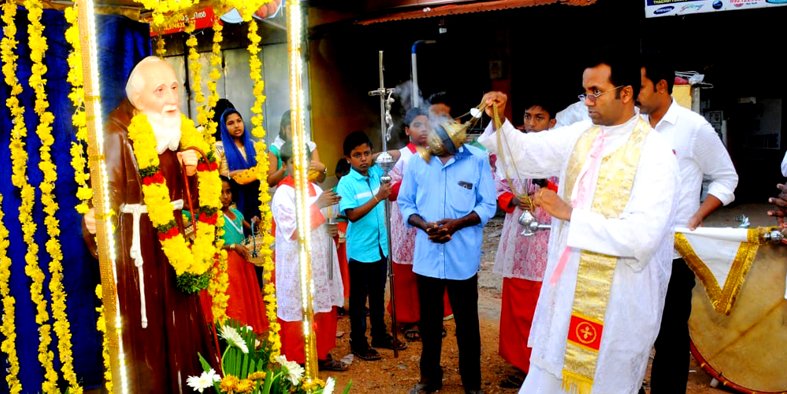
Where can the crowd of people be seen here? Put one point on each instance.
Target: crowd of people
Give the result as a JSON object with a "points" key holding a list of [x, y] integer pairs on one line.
{"points": [[583, 304]]}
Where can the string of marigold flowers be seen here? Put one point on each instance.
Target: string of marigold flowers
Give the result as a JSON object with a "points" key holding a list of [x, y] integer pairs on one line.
{"points": [[101, 326], [220, 278], [8, 328], [27, 196], [258, 131], [38, 47], [78, 118]]}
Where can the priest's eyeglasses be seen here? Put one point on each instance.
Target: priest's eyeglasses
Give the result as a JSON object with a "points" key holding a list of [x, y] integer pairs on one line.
{"points": [[596, 94]]}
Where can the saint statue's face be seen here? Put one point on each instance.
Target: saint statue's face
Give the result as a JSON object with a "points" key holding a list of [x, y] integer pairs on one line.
{"points": [[158, 97]]}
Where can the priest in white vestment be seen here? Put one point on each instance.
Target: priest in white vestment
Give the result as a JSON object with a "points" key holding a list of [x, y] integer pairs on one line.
{"points": [[611, 239]]}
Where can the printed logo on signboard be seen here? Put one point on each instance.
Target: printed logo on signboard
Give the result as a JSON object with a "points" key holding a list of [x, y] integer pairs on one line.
{"points": [[690, 8], [664, 10], [717, 5], [741, 3]]}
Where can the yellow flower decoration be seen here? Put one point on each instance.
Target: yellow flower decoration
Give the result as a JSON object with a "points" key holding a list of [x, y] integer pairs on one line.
{"points": [[255, 72], [191, 262], [38, 47], [27, 193], [79, 118], [162, 9], [8, 328], [219, 277], [101, 326]]}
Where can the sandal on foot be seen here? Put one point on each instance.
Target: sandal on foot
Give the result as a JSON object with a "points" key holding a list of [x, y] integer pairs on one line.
{"points": [[412, 335], [389, 343], [367, 354], [332, 365], [513, 381]]}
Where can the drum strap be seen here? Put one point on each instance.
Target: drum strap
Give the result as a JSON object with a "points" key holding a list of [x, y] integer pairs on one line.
{"points": [[615, 179]]}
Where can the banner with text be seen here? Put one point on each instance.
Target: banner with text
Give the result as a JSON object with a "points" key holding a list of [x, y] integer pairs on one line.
{"points": [[656, 8]]}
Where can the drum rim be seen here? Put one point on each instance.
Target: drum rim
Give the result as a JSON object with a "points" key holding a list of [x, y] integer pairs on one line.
{"points": [[705, 365]]}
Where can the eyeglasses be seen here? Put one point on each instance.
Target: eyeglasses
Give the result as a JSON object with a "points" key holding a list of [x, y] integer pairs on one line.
{"points": [[596, 94]]}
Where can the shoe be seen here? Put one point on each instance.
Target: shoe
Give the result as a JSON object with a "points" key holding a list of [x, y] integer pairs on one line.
{"points": [[421, 388], [412, 334], [331, 364], [368, 354], [389, 343], [513, 381]]}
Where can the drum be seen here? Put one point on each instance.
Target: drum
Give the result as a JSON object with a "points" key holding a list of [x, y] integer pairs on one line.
{"points": [[745, 350]]}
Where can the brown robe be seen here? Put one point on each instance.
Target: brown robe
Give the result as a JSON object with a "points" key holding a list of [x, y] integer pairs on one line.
{"points": [[161, 356]]}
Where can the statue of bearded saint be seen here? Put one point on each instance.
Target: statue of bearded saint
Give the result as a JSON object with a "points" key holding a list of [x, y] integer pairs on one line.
{"points": [[163, 328]]}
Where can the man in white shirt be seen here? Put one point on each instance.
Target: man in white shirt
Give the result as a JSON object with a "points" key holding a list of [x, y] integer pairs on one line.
{"points": [[700, 152], [610, 247]]}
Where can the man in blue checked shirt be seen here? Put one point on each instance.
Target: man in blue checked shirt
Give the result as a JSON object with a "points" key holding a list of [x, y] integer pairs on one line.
{"points": [[450, 198]]}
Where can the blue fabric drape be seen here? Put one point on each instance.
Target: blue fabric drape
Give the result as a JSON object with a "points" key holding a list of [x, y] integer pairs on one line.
{"points": [[121, 43]]}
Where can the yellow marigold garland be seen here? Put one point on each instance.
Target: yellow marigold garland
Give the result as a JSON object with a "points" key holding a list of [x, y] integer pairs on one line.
{"points": [[27, 194], [79, 118], [213, 77], [195, 71], [192, 264], [161, 48], [101, 326], [161, 8], [38, 47], [258, 131], [8, 328], [220, 277]]}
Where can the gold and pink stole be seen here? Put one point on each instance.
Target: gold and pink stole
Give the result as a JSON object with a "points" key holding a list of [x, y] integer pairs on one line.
{"points": [[595, 272]]}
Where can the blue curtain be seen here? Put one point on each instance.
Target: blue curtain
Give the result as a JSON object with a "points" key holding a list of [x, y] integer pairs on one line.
{"points": [[121, 44]]}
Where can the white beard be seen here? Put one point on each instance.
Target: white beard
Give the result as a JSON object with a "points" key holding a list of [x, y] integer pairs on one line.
{"points": [[166, 129]]}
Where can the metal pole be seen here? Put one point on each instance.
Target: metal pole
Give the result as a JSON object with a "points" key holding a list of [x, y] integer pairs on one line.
{"points": [[413, 59], [386, 162]]}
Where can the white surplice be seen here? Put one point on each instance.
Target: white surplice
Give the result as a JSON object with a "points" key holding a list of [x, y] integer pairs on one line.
{"points": [[641, 238], [327, 292]]}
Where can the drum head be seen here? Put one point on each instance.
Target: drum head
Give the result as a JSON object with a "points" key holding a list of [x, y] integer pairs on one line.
{"points": [[746, 349]]}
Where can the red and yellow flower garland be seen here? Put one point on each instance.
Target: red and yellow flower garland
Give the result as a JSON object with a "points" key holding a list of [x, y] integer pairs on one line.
{"points": [[269, 290], [192, 264], [38, 47], [79, 118]]}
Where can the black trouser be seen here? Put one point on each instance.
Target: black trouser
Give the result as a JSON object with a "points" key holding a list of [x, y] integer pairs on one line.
{"points": [[463, 295], [367, 280], [670, 371]]}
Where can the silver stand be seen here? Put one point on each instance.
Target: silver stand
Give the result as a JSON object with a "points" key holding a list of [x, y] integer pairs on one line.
{"points": [[386, 162]]}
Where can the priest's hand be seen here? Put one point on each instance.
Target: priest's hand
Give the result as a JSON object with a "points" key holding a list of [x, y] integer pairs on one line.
{"points": [[90, 220], [553, 204], [495, 99], [188, 158]]}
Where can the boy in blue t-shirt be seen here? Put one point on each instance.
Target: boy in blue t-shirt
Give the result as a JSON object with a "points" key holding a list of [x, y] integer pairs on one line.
{"points": [[367, 245]]}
